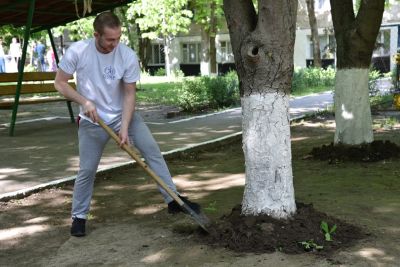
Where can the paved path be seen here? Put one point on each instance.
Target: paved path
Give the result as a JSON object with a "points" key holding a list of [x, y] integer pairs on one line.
{"points": [[45, 151]]}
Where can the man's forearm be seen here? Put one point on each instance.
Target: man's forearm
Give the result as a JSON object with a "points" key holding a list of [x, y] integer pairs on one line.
{"points": [[128, 105], [69, 93]]}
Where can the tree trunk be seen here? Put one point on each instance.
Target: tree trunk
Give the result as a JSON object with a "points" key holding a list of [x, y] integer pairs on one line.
{"points": [[213, 55], [144, 52], [167, 51], [121, 12], [263, 48], [354, 122], [355, 38], [205, 53], [314, 33], [213, 33]]}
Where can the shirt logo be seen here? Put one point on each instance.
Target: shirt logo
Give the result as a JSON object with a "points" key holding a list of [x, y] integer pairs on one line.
{"points": [[109, 73]]}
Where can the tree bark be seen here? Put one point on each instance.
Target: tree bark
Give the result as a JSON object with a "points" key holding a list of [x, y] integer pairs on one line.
{"points": [[167, 52], [314, 33], [213, 33], [263, 48], [355, 39], [205, 53], [213, 55]]}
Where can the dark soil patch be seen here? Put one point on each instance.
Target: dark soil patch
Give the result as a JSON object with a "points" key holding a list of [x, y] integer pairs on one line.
{"points": [[371, 152], [263, 234]]}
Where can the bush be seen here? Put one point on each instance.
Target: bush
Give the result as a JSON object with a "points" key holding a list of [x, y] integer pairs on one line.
{"points": [[178, 74], [373, 77], [193, 95], [160, 72], [232, 88], [312, 77], [209, 92]]}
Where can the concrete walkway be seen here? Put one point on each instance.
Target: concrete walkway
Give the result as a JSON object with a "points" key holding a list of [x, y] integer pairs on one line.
{"points": [[44, 151]]}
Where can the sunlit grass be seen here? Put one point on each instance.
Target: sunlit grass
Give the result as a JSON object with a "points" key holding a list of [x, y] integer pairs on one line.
{"points": [[158, 93], [164, 90]]}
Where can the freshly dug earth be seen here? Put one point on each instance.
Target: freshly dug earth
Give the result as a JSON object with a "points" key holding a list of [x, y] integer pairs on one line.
{"points": [[128, 224], [371, 152], [302, 233]]}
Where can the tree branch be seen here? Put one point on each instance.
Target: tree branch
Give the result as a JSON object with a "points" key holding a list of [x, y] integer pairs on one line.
{"points": [[242, 20], [342, 15], [369, 18]]}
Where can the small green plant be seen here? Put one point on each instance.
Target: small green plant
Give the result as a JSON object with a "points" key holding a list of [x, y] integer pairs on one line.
{"points": [[178, 74], [388, 123], [373, 77], [160, 72], [310, 245], [328, 231], [212, 207]]}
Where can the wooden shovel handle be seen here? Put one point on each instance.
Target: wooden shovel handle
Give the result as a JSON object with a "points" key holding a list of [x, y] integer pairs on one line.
{"points": [[139, 161]]}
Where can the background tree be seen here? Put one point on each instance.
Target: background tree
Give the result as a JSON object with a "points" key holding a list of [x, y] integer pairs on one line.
{"points": [[263, 47], [77, 30], [314, 33], [209, 15], [161, 18], [134, 35], [355, 38]]}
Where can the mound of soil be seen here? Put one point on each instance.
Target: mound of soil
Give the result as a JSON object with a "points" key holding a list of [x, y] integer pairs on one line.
{"points": [[263, 234], [371, 152]]}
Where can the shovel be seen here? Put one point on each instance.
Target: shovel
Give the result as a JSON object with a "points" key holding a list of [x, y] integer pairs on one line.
{"points": [[200, 219]]}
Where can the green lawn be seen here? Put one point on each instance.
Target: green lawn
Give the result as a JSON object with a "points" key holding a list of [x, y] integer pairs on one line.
{"points": [[161, 90], [158, 93]]}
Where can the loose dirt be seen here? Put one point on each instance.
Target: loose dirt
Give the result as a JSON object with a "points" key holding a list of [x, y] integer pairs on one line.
{"points": [[300, 234], [128, 224]]}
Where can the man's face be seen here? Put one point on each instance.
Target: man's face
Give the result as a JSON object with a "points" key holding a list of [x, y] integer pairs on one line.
{"points": [[106, 42]]}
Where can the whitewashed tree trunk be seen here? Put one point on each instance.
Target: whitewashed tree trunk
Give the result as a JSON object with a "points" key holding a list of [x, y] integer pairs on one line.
{"points": [[352, 107], [205, 53], [167, 52], [266, 144], [263, 43]]}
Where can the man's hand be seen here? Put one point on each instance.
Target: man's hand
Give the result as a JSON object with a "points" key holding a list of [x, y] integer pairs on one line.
{"points": [[89, 109], [123, 136]]}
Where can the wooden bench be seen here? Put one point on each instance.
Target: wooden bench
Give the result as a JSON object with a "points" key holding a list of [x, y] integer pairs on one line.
{"points": [[36, 88]]}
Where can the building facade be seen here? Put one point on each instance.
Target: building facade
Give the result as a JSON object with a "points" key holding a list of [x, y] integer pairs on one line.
{"points": [[186, 48]]}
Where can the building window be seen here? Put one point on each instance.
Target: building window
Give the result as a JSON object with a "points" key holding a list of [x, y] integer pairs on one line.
{"points": [[226, 51], [157, 54], [191, 53], [382, 45]]}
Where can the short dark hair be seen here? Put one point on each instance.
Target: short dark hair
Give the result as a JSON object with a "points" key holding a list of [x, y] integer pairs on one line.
{"points": [[106, 19]]}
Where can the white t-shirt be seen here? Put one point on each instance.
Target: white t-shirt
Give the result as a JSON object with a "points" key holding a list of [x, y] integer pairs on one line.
{"points": [[15, 50], [100, 77]]}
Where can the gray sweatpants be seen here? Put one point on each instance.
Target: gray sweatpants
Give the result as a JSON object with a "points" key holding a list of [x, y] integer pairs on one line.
{"points": [[92, 140]]}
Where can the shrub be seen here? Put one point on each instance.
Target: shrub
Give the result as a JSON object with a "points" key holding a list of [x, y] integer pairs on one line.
{"points": [[373, 77], [209, 92], [160, 72], [232, 86], [177, 74], [220, 94], [312, 77], [193, 95]]}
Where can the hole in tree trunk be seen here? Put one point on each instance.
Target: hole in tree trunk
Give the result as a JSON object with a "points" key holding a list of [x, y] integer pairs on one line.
{"points": [[254, 51]]}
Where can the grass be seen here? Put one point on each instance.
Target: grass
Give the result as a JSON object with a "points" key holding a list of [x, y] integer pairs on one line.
{"points": [[312, 90], [158, 93], [162, 90]]}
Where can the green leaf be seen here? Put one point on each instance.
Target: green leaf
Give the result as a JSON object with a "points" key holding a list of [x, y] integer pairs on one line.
{"points": [[333, 229], [324, 226]]}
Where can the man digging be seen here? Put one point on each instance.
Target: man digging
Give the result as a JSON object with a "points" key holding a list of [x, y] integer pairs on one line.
{"points": [[106, 76]]}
